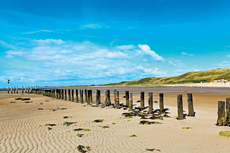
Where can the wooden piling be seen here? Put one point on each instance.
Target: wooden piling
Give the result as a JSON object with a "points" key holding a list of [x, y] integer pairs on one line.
{"points": [[190, 105], [65, 94], [98, 97], [130, 101], [17, 90], [14, 90], [69, 95], [221, 120], [72, 95], [90, 97], [115, 94], [108, 101], [81, 96], [22, 90], [150, 101], [127, 97], [117, 99], [11, 90], [76, 95], [86, 96], [161, 102], [25, 89], [142, 98], [228, 110], [180, 107], [8, 90], [61, 94]]}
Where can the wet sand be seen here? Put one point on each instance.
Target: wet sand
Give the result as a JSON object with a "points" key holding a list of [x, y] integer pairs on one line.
{"points": [[22, 124]]}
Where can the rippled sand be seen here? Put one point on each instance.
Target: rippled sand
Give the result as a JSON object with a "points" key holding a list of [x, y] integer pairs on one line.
{"points": [[22, 127]]}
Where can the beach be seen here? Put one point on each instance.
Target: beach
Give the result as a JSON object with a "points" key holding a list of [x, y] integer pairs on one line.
{"points": [[23, 124]]}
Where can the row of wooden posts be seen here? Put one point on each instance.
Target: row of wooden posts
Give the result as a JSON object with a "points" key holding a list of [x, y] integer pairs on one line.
{"points": [[62, 94], [14, 90], [223, 113]]}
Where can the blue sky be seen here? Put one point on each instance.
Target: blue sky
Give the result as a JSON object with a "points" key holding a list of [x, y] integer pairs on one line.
{"points": [[83, 42]]}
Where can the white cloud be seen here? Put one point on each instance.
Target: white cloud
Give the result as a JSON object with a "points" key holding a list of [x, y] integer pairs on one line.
{"points": [[146, 50], [126, 47], [183, 53], [91, 26], [116, 55], [224, 64], [48, 41], [175, 63]]}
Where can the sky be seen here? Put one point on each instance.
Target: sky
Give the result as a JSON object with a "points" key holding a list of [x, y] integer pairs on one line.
{"points": [[85, 42]]}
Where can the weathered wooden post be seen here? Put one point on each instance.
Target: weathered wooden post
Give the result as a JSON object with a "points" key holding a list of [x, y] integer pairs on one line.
{"points": [[227, 110], [69, 95], [142, 97], [221, 113], [61, 94], [17, 90], [180, 107], [81, 96], [8, 90], [25, 89], [11, 90], [72, 95], [98, 97], [161, 102], [28, 89], [86, 96], [117, 99], [14, 90], [105, 93], [89, 99], [130, 101], [76, 95], [22, 90], [108, 101], [150, 101], [127, 97], [91, 96], [190, 105], [65, 94]]}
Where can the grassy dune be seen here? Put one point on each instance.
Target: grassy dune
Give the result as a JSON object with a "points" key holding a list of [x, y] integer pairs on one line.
{"points": [[190, 77]]}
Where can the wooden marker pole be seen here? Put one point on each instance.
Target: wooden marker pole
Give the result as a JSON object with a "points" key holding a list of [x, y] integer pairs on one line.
{"points": [[150, 101], [227, 110], [190, 105], [161, 102], [221, 113], [76, 95], [127, 97], [130, 101], [98, 97], [180, 107], [142, 98]]}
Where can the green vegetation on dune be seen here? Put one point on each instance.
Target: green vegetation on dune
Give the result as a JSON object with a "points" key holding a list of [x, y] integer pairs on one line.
{"points": [[190, 77]]}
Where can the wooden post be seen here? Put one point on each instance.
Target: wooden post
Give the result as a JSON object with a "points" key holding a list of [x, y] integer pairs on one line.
{"points": [[117, 99], [180, 107], [81, 96], [227, 110], [14, 90], [17, 90], [150, 101], [127, 97], [161, 102], [86, 96], [108, 101], [142, 98], [190, 105], [72, 95], [65, 94], [98, 97], [221, 113], [130, 101], [76, 95], [8, 90], [69, 95], [61, 94], [11, 90], [22, 90], [90, 98], [25, 90], [105, 93]]}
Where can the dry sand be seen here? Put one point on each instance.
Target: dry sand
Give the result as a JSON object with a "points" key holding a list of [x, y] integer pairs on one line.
{"points": [[22, 126]]}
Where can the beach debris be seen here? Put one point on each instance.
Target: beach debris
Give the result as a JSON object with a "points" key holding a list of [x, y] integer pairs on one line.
{"points": [[28, 102], [146, 149], [80, 148], [129, 117], [186, 127], [50, 124], [147, 122], [68, 123], [12, 102], [63, 108], [79, 129], [79, 135], [65, 116], [88, 148], [40, 108], [49, 128], [18, 98], [113, 123], [105, 127], [133, 135], [224, 133], [98, 120], [46, 100], [86, 130], [25, 99], [41, 103]]}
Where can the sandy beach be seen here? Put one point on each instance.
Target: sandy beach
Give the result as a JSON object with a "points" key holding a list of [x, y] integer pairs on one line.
{"points": [[23, 125]]}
